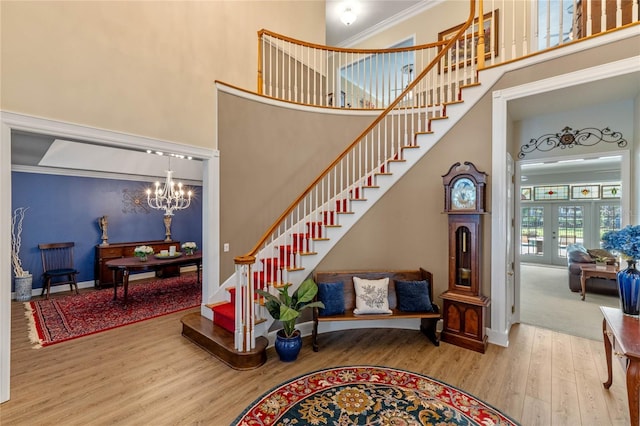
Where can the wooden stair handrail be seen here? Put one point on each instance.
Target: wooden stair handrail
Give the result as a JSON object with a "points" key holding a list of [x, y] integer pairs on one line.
{"points": [[383, 114], [347, 49]]}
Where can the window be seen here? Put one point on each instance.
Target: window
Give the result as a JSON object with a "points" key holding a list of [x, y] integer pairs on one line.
{"points": [[375, 81], [609, 217], [555, 22], [531, 232]]}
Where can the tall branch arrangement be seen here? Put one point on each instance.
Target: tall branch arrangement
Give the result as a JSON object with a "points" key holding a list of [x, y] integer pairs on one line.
{"points": [[16, 241]]}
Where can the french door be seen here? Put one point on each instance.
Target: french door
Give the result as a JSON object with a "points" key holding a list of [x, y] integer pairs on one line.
{"points": [[547, 229]]}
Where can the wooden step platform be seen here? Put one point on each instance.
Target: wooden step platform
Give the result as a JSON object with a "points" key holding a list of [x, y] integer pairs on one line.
{"points": [[219, 343]]}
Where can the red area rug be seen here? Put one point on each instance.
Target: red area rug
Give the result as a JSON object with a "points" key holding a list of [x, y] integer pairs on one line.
{"points": [[366, 395], [68, 317]]}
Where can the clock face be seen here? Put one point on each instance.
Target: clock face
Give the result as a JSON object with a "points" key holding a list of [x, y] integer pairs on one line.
{"points": [[463, 195]]}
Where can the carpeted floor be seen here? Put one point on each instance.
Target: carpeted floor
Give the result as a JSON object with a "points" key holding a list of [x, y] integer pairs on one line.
{"points": [[546, 301], [368, 395], [71, 316]]}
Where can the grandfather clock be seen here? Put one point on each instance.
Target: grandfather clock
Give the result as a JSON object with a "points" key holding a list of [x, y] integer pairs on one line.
{"points": [[464, 307]]}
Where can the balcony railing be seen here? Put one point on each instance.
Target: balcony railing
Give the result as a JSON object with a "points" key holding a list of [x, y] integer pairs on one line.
{"points": [[503, 31]]}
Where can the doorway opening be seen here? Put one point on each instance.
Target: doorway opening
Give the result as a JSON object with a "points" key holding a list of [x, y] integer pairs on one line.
{"points": [[560, 202]]}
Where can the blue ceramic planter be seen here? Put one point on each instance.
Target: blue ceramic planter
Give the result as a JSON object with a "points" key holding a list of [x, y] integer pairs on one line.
{"points": [[288, 348], [629, 289]]}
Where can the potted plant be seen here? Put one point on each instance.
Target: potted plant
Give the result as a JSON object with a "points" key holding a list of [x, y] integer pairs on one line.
{"points": [[286, 309], [23, 279], [601, 262]]}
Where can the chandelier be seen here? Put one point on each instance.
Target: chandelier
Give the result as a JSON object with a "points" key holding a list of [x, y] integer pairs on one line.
{"points": [[169, 197]]}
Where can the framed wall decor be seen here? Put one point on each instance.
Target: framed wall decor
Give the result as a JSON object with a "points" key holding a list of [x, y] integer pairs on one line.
{"points": [[330, 99], [461, 54]]}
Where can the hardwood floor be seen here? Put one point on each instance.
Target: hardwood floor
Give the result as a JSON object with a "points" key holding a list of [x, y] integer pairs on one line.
{"points": [[147, 373]]}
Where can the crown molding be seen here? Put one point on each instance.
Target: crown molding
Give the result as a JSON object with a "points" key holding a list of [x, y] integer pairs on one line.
{"points": [[390, 22]]}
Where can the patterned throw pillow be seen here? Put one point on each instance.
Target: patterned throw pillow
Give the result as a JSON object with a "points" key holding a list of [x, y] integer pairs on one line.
{"points": [[371, 296]]}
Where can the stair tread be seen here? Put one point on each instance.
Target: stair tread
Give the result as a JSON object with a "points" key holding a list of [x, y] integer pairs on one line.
{"points": [[477, 83], [212, 305], [297, 268]]}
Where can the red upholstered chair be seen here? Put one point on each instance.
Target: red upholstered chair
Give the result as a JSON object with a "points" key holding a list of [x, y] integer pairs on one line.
{"points": [[57, 262]]}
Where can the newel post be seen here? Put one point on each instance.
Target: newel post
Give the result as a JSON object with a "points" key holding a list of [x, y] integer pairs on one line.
{"points": [[260, 35], [244, 339]]}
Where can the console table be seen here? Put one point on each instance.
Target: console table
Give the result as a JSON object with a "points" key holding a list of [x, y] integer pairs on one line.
{"points": [[621, 339], [103, 275], [128, 264]]}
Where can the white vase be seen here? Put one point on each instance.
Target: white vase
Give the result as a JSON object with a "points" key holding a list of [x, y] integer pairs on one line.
{"points": [[23, 286]]}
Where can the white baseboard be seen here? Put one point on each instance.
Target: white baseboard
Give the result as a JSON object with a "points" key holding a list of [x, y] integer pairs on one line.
{"points": [[91, 283], [498, 338]]}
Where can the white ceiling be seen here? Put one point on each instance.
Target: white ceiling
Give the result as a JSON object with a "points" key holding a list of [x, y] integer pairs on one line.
{"points": [[65, 154], [371, 15], [574, 170], [44, 152]]}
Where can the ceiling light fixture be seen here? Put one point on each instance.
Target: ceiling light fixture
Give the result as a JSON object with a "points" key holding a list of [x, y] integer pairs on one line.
{"points": [[348, 16], [168, 198]]}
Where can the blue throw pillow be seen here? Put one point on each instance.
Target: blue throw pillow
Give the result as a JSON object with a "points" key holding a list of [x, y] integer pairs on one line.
{"points": [[332, 295], [413, 296]]}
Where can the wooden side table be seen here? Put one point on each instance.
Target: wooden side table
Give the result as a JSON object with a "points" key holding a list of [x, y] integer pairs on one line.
{"points": [[622, 339], [590, 270]]}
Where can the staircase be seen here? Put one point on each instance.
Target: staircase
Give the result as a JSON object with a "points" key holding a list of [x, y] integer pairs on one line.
{"points": [[291, 261], [332, 204], [307, 230]]}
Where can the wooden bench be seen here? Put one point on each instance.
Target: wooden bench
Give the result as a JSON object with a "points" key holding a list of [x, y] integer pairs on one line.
{"points": [[428, 319]]}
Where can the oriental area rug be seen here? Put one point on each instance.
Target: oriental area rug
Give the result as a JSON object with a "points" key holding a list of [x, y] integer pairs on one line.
{"points": [[368, 395], [71, 316]]}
